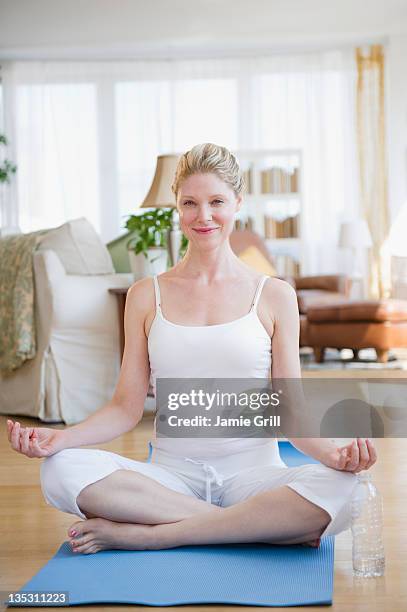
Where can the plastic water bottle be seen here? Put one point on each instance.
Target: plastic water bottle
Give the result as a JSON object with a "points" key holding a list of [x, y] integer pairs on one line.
{"points": [[367, 527]]}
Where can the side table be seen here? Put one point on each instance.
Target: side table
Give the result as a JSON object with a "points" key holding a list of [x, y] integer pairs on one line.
{"points": [[121, 295]]}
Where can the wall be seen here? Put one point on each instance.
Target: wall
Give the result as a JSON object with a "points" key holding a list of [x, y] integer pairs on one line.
{"points": [[109, 27]]}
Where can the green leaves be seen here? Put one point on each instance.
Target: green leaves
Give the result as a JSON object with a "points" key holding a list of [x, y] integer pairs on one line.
{"points": [[151, 229], [184, 246], [7, 168]]}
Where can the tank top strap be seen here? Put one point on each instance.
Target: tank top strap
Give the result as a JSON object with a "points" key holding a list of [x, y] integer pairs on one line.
{"points": [[157, 294], [258, 292]]}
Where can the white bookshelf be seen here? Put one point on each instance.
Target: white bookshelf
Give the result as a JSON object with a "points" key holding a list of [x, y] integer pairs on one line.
{"points": [[273, 203]]}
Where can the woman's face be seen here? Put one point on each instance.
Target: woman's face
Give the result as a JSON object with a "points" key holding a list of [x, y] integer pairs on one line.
{"points": [[207, 206]]}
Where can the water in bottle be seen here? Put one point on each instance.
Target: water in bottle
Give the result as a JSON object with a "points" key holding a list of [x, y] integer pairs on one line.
{"points": [[367, 528]]}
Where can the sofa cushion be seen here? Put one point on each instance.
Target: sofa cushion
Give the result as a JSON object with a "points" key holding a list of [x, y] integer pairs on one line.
{"points": [[79, 248], [338, 283], [363, 310]]}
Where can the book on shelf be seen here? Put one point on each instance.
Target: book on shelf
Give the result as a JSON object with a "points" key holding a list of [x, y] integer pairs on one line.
{"points": [[286, 265], [277, 180], [248, 180], [294, 181], [281, 229]]}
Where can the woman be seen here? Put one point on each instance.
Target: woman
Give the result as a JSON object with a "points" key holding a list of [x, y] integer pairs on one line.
{"points": [[210, 316]]}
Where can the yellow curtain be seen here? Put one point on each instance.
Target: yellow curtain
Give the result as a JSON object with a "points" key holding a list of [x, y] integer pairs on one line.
{"points": [[372, 164]]}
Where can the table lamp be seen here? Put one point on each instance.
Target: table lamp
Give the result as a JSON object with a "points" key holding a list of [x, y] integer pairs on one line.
{"points": [[160, 195]]}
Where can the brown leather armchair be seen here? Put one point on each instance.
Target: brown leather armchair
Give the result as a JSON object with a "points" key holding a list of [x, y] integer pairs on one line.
{"points": [[311, 290], [319, 290]]}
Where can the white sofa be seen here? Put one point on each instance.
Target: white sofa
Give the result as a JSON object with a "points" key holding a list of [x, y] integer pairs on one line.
{"points": [[77, 361]]}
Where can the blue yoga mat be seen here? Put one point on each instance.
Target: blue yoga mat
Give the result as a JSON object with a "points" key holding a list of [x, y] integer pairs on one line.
{"points": [[245, 574]]}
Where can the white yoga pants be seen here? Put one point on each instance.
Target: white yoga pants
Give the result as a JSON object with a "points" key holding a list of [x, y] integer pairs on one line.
{"points": [[224, 480]]}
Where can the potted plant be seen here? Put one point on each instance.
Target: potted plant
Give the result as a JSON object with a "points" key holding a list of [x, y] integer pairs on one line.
{"points": [[148, 246]]}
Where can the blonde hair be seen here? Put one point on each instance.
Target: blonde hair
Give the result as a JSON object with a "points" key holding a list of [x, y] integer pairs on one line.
{"points": [[209, 157]]}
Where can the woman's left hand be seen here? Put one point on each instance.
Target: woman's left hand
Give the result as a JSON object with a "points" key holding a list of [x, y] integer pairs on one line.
{"points": [[359, 455]]}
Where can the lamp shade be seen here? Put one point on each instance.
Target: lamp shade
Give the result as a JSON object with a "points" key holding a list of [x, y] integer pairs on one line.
{"points": [[160, 194], [355, 234]]}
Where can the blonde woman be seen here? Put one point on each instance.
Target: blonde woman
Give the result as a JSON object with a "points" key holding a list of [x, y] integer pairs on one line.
{"points": [[210, 316]]}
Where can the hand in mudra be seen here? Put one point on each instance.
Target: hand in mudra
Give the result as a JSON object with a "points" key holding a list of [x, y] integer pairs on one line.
{"points": [[34, 441], [358, 455]]}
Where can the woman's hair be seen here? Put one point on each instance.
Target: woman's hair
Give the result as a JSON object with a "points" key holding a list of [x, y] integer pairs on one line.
{"points": [[208, 157]]}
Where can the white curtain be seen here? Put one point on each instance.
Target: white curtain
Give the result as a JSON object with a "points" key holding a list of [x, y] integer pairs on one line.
{"points": [[86, 134]]}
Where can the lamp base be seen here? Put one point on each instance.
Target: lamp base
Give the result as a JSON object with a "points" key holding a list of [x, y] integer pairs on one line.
{"points": [[175, 239]]}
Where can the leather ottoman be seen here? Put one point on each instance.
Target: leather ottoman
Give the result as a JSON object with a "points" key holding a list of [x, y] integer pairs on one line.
{"points": [[378, 324]]}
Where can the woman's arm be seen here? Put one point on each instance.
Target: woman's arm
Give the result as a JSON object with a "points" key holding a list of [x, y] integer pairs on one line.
{"points": [[124, 410], [359, 454]]}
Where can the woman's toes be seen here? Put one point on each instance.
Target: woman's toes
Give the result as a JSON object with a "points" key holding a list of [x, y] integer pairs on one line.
{"points": [[76, 528], [93, 549], [76, 542], [86, 533], [84, 547], [312, 543], [80, 528]]}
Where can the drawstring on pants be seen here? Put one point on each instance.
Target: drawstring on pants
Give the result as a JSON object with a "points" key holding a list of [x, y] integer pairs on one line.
{"points": [[210, 473]]}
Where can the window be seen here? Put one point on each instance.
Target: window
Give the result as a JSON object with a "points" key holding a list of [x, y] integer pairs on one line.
{"points": [[157, 117], [88, 133], [57, 143]]}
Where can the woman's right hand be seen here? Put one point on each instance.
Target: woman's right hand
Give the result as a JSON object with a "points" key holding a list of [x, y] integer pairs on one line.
{"points": [[34, 441]]}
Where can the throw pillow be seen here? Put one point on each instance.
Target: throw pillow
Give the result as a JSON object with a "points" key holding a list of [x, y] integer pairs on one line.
{"points": [[79, 248], [256, 260]]}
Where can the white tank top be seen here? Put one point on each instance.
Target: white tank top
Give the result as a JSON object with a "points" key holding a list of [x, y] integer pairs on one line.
{"points": [[238, 349]]}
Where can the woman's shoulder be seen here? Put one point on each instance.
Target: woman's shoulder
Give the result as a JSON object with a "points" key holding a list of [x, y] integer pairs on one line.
{"points": [[279, 292], [141, 292]]}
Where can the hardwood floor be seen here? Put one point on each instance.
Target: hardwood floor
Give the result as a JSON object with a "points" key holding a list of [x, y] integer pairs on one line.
{"points": [[31, 531]]}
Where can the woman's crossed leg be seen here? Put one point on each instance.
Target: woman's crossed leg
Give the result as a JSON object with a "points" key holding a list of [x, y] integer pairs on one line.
{"points": [[131, 511], [135, 505]]}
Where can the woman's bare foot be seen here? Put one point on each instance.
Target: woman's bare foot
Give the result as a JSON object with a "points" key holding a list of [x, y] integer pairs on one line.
{"points": [[312, 543], [97, 534]]}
